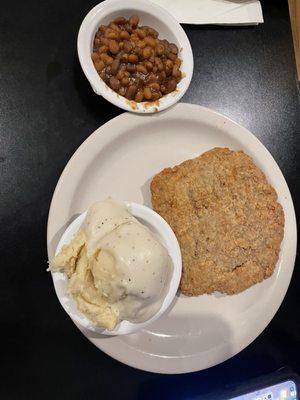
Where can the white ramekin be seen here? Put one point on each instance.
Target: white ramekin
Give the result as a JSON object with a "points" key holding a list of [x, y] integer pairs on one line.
{"points": [[162, 231], [150, 14]]}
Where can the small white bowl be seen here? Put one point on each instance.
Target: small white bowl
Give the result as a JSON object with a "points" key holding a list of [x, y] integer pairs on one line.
{"points": [[163, 233], [149, 14]]}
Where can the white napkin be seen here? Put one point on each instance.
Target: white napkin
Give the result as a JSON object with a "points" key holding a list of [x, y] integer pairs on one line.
{"points": [[220, 12]]}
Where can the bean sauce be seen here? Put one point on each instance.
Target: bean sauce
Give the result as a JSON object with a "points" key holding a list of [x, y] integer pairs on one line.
{"points": [[134, 62]]}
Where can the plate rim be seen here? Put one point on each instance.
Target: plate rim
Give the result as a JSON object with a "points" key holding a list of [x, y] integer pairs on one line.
{"points": [[292, 253]]}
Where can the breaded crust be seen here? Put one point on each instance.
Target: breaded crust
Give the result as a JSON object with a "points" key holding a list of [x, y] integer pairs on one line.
{"points": [[226, 218]]}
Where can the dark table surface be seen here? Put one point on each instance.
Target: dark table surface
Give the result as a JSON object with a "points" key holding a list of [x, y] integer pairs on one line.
{"points": [[47, 110]]}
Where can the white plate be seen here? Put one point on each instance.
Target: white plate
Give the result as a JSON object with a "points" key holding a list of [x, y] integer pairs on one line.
{"points": [[119, 160]]}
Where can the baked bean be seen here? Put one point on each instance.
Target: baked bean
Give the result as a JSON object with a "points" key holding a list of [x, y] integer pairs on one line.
{"points": [[160, 49], [131, 92], [127, 46], [145, 30], [115, 66], [151, 31], [95, 56], [109, 60], [124, 35], [103, 49], [133, 58], [139, 97], [134, 38], [171, 56], [169, 64], [120, 21], [110, 34], [150, 41], [114, 83], [120, 74], [157, 60], [168, 71], [154, 86], [134, 62], [114, 35], [113, 47], [120, 54], [104, 41], [151, 78], [171, 85], [124, 57], [156, 95], [131, 68], [147, 93], [176, 73], [99, 65], [125, 81], [172, 48], [148, 65], [106, 59], [142, 69], [141, 34], [147, 52], [137, 50], [114, 27], [104, 76], [161, 77], [134, 20], [141, 44], [178, 62]]}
